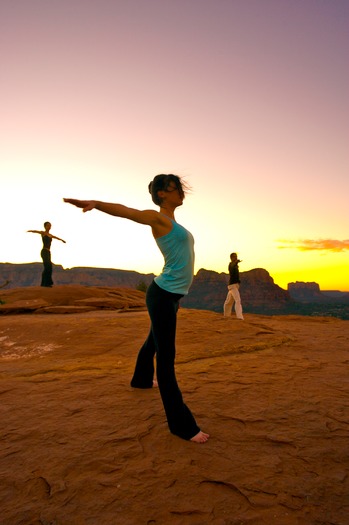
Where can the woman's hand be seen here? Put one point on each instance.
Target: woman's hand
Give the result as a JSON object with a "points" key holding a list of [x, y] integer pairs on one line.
{"points": [[85, 205]]}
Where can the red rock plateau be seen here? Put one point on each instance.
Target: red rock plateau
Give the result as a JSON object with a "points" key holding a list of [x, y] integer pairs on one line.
{"points": [[79, 446]]}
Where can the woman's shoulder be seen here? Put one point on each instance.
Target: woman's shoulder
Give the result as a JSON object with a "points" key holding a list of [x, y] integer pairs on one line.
{"points": [[163, 225]]}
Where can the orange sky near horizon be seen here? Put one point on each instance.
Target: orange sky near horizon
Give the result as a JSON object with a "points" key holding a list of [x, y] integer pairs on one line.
{"points": [[247, 100]]}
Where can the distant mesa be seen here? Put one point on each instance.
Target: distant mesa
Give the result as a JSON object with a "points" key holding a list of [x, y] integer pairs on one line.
{"points": [[310, 293], [305, 292]]}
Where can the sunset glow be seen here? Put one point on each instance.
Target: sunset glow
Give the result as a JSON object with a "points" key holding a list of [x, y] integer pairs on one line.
{"points": [[247, 100]]}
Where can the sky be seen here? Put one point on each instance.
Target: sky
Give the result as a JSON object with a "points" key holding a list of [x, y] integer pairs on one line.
{"points": [[247, 100]]}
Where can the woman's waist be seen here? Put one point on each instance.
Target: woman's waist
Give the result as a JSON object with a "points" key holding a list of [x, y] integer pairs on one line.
{"points": [[157, 288]]}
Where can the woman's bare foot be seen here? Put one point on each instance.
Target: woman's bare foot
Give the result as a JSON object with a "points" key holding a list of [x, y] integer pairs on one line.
{"points": [[200, 437], [155, 383]]}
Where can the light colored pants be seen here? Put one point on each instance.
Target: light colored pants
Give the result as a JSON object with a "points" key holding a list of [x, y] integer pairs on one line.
{"points": [[233, 296]]}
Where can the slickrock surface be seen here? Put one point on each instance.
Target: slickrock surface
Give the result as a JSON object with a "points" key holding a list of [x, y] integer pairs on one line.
{"points": [[79, 446], [67, 299]]}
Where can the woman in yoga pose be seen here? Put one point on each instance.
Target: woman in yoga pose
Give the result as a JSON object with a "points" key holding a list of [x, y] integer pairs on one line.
{"points": [[162, 298], [46, 278]]}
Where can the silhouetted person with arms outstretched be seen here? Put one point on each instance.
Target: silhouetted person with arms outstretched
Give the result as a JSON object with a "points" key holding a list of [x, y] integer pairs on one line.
{"points": [[46, 278], [162, 298]]}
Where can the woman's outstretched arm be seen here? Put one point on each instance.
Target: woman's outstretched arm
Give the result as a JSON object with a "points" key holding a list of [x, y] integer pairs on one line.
{"points": [[159, 223], [58, 238]]}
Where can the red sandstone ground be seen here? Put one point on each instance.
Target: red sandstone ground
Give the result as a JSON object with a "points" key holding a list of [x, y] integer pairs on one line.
{"points": [[79, 446]]}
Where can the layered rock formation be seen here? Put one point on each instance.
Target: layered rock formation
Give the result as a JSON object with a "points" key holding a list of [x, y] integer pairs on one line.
{"points": [[208, 291], [19, 275], [258, 291]]}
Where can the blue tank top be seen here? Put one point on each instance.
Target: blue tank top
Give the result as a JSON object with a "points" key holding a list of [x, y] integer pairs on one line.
{"points": [[177, 247]]}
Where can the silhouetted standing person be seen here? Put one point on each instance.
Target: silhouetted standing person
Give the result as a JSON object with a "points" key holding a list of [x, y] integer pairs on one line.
{"points": [[46, 278], [162, 298], [233, 295]]}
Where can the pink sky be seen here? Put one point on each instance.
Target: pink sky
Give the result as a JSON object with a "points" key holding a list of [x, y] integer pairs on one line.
{"points": [[248, 99]]}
